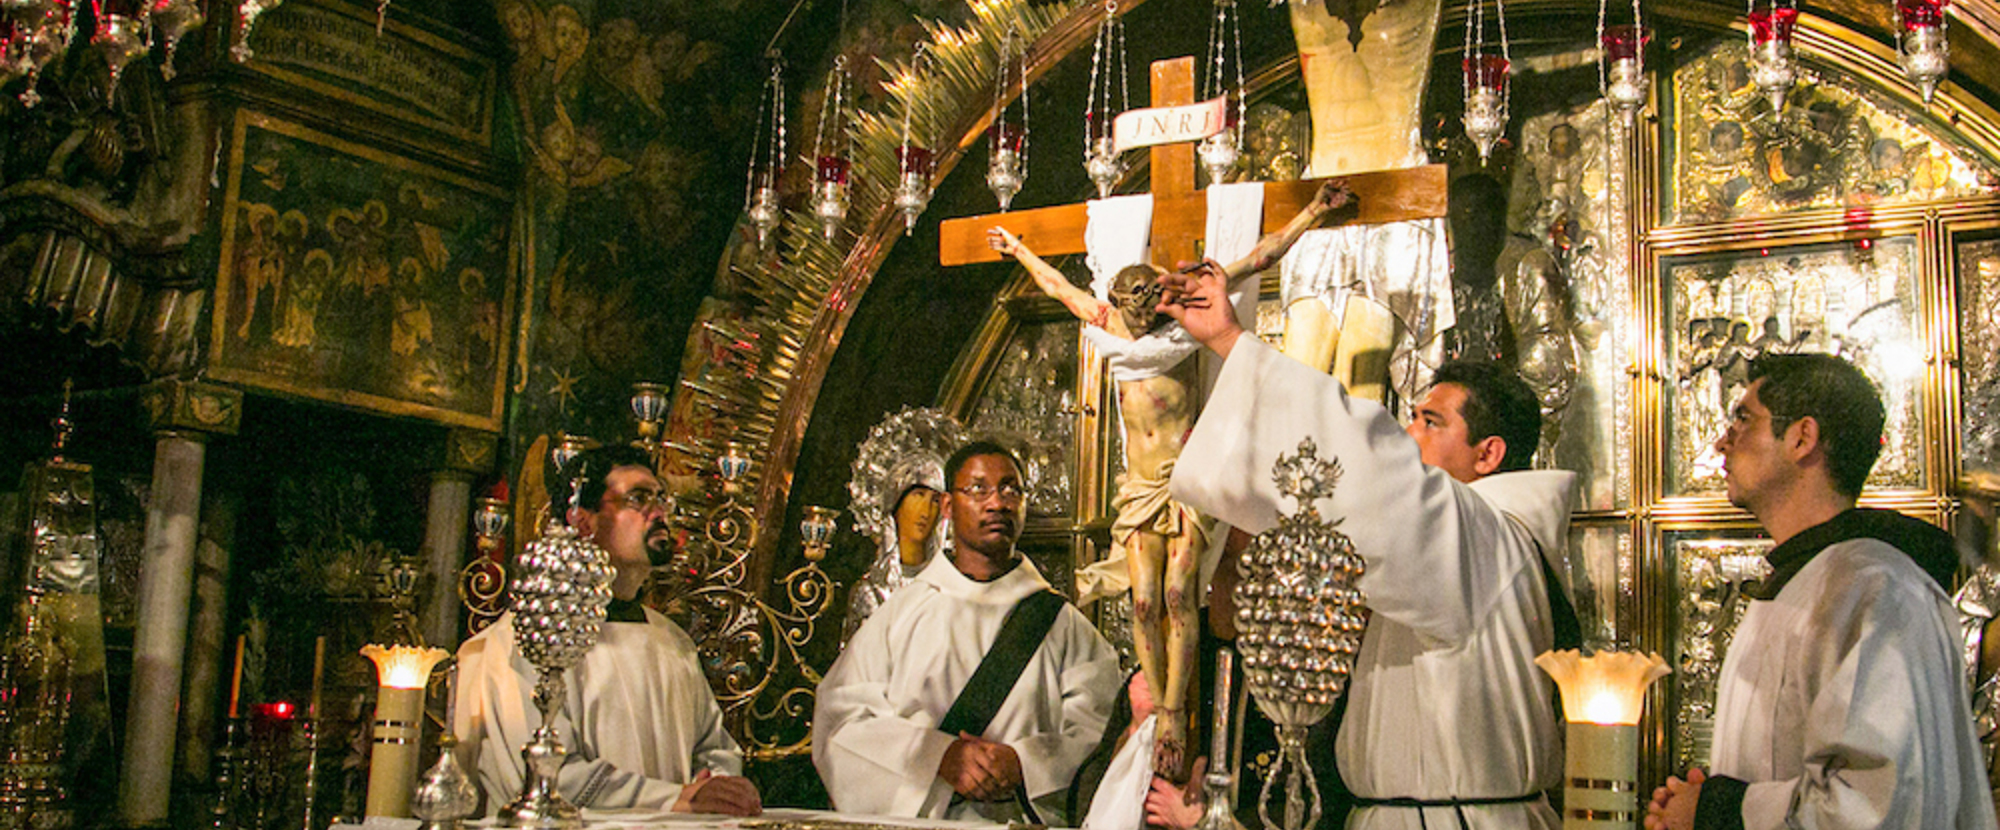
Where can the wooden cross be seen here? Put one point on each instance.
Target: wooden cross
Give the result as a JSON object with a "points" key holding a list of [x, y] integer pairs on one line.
{"points": [[1180, 212]]}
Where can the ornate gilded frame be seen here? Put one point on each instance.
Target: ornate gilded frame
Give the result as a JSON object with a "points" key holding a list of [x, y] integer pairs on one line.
{"points": [[485, 284], [1674, 594]]}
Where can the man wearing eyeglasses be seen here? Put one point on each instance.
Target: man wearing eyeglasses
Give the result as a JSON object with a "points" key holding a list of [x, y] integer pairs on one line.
{"points": [[640, 722], [1842, 700], [974, 692]]}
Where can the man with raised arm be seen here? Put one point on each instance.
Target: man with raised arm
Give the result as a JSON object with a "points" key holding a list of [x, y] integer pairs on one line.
{"points": [[640, 722], [1160, 540], [1448, 722], [1842, 702], [976, 690]]}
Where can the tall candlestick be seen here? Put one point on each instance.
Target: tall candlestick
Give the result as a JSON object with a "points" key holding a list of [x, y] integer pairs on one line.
{"points": [[1225, 683], [236, 679], [1220, 783]]}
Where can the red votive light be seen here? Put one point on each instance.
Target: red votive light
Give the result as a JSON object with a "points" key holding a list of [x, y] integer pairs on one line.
{"points": [[1006, 136], [913, 159], [1918, 14], [1627, 41], [834, 169], [1488, 71], [1775, 24]]}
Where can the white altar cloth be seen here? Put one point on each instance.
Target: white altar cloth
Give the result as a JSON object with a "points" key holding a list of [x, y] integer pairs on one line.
{"points": [[780, 818]]}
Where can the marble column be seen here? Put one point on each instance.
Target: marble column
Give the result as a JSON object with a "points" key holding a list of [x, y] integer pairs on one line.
{"points": [[467, 455], [205, 678], [183, 416]]}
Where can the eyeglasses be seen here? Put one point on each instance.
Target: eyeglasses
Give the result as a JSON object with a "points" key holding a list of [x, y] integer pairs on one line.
{"points": [[1741, 418], [642, 499], [1009, 491]]}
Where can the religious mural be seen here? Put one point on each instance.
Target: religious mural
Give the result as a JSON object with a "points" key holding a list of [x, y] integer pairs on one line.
{"points": [[1979, 353], [351, 275], [617, 108], [1856, 300], [634, 196], [1830, 148]]}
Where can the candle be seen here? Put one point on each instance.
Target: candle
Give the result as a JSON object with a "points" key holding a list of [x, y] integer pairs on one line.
{"points": [[236, 679], [450, 694], [319, 671]]}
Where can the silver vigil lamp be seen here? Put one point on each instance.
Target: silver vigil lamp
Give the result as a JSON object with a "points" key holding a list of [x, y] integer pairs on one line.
{"points": [[1299, 624]]}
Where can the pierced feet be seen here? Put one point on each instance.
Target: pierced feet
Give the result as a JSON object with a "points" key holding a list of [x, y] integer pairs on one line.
{"points": [[1170, 736]]}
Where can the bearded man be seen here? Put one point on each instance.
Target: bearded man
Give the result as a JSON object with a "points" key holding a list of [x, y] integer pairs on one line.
{"points": [[639, 719]]}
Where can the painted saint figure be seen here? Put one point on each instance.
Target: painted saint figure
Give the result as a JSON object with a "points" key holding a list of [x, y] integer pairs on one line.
{"points": [[904, 552], [898, 496], [1161, 539]]}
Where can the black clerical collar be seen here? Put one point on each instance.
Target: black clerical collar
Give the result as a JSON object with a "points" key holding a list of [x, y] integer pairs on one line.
{"points": [[625, 610], [1932, 549]]}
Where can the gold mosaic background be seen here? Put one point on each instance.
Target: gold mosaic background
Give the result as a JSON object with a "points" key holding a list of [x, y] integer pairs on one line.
{"points": [[1830, 148]]}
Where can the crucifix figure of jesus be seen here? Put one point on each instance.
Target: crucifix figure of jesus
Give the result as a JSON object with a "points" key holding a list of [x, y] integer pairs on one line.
{"points": [[1165, 409], [1160, 539]]}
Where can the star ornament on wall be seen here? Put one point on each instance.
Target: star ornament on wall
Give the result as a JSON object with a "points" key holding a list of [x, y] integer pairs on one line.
{"points": [[564, 389]]}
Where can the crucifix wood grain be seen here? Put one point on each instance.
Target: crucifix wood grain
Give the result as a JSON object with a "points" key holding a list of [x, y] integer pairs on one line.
{"points": [[1180, 212]]}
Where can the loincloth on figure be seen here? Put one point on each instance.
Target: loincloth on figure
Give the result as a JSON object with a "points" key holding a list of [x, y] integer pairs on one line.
{"points": [[1144, 503]]}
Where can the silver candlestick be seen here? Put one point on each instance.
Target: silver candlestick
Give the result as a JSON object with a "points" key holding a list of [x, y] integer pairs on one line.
{"points": [[1299, 619], [445, 795], [558, 608], [1220, 783]]}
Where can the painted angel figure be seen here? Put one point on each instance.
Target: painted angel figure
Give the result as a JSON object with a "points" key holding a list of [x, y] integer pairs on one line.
{"points": [[1160, 539]]}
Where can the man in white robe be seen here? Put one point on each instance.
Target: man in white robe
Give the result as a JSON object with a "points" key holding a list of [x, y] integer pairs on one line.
{"points": [[1448, 722], [639, 720], [1842, 701], [876, 740]]}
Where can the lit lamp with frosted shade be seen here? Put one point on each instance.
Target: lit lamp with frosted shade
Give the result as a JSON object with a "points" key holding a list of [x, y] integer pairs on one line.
{"points": [[1602, 697], [403, 672]]}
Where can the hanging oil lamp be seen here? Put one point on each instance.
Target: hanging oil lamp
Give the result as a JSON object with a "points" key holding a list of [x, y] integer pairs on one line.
{"points": [[913, 161], [1485, 101], [1772, 67], [1007, 142], [246, 16], [1923, 50], [767, 158], [120, 37], [831, 165], [172, 20], [1626, 85], [1101, 159], [1485, 77], [42, 32], [1220, 152]]}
